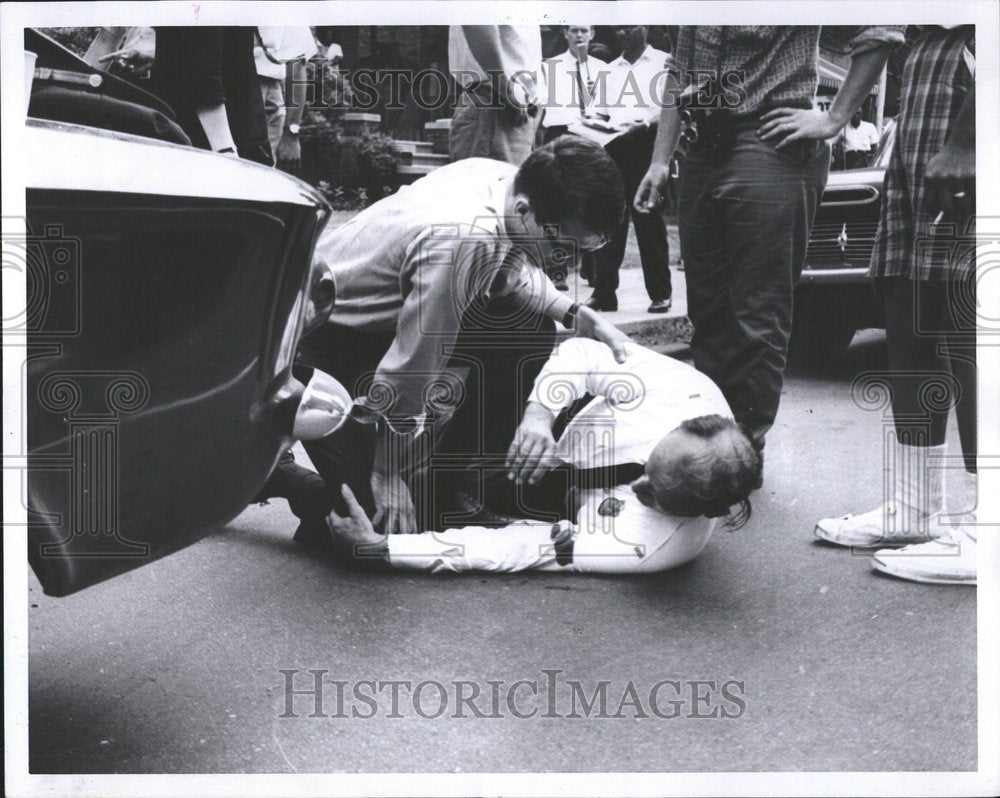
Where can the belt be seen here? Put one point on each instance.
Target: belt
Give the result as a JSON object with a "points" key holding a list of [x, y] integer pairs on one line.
{"points": [[607, 476], [709, 130]]}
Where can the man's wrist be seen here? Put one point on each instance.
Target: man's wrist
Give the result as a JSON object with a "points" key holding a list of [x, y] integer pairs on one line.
{"points": [[293, 129], [569, 318]]}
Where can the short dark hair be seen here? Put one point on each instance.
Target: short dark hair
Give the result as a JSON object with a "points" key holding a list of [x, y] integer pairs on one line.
{"points": [[713, 483], [573, 178]]}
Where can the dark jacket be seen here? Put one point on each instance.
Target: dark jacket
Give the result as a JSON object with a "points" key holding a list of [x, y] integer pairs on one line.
{"points": [[202, 66]]}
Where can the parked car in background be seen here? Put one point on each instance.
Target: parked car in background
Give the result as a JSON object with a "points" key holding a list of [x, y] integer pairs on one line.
{"points": [[168, 288], [833, 298]]}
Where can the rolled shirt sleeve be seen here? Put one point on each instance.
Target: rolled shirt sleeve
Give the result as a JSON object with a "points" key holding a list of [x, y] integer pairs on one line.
{"points": [[581, 366], [868, 38]]}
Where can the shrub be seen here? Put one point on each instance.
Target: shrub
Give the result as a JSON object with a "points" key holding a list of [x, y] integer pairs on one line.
{"points": [[353, 171]]}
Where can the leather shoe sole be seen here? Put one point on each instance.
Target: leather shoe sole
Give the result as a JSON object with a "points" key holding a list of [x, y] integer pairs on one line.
{"points": [[595, 303]]}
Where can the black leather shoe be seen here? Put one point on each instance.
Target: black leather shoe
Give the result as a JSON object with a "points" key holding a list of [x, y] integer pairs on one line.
{"points": [[468, 511], [313, 535], [659, 306], [609, 304]]}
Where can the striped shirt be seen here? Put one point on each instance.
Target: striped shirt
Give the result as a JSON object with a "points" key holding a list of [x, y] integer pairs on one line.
{"points": [[769, 66]]}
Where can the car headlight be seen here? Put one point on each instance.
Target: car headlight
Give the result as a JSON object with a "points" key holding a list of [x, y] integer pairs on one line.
{"points": [[324, 407]]}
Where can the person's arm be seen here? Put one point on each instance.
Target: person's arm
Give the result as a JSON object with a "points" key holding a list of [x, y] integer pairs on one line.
{"points": [[519, 90], [651, 190], [536, 290], [783, 126], [201, 71], [950, 178], [215, 122], [105, 42], [599, 545], [516, 547], [289, 153], [394, 511], [438, 282], [577, 368]]}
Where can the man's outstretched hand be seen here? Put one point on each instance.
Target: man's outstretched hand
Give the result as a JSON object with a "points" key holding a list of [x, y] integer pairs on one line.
{"points": [[591, 324], [532, 452], [354, 527]]}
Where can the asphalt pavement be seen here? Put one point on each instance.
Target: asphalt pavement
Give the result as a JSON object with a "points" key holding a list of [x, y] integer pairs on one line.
{"points": [[178, 667]]}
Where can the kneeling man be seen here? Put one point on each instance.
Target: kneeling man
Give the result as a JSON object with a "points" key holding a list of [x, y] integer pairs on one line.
{"points": [[651, 419]]}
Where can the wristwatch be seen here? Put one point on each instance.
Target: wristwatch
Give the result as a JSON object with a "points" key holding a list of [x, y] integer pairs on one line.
{"points": [[293, 129]]}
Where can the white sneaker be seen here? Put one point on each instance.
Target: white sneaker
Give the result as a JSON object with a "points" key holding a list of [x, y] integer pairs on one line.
{"points": [[949, 560], [880, 526]]}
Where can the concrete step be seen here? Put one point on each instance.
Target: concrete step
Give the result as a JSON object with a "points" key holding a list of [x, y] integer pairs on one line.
{"points": [[413, 147], [430, 159]]}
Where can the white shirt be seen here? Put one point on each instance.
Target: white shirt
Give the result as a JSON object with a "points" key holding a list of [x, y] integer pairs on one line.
{"points": [[285, 44], [638, 403], [634, 92], [562, 101], [864, 137], [520, 50]]}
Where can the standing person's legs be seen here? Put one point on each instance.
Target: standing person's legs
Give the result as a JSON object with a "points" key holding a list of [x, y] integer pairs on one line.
{"points": [[480, 131], [608, 259], [745, 225], [650, 228], [931, 368], [273, 93]]}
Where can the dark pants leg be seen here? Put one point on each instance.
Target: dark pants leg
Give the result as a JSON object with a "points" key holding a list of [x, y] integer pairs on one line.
{"points": [[931, 337], [501, 350], [632, 154], [745, 217], [347, 455]]}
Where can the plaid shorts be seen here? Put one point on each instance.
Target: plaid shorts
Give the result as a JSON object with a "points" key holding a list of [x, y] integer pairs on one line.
{"points": [[936, 80]]}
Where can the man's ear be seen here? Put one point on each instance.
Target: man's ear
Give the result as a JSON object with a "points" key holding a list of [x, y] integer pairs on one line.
{"points": [[643, 488], [522, 206]]}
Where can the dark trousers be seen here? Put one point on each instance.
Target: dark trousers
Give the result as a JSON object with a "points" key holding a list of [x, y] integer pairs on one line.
{"points": [[632, 153], [499, 351], [745, 213], [931, 335]]}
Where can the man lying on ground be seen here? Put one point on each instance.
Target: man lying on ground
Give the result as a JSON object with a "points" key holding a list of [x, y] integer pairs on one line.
{"points": [[460, 253], [651, 420]]}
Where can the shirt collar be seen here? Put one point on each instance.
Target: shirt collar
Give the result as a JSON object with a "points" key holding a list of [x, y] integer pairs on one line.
{"points": [[645, 55]]}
